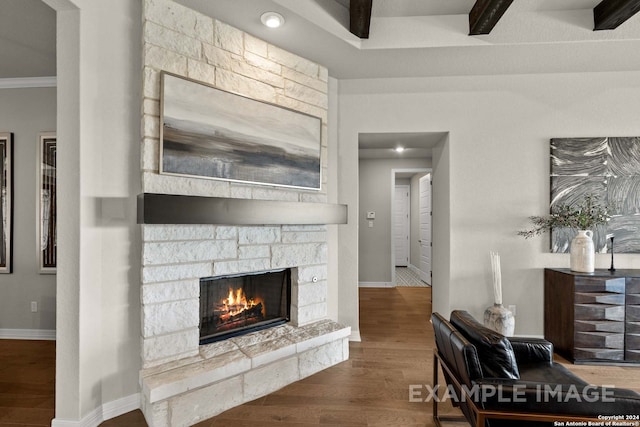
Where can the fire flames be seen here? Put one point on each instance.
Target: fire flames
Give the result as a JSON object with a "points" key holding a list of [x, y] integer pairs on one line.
{"points": [[237, 302]]}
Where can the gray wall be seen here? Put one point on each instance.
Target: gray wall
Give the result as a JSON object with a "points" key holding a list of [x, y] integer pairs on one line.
{"points": [[375, 195], [26, 113]]}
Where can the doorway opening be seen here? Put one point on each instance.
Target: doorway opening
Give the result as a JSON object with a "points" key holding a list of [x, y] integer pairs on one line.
{"points": [[411, 226]]}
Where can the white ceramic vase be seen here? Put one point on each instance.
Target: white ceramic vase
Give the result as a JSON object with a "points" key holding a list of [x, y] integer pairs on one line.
{"points": [[583, 253], [500, 319]]}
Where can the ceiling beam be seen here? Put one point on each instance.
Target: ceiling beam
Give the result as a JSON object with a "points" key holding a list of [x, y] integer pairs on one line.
{"points": [[610, 13], [485, 14], [360, 17]]}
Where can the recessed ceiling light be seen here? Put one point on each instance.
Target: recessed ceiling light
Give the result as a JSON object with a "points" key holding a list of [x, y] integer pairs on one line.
{"points": [[272, 19], [399, 149]]}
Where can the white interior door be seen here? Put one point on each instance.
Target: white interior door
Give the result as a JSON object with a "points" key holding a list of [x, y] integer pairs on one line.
{"points": [[425, 228], [401, 225]]}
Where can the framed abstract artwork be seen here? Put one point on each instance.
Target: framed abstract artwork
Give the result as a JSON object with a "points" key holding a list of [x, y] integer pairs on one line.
{"points": [[46, 191], [609, 169], [209, 133], [6, 201]]}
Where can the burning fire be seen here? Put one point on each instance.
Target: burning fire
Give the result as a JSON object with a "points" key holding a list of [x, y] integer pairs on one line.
{"points": [[237, 302]]}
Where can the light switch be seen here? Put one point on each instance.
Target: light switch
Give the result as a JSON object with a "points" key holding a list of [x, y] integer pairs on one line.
{"points": [[371, 215], [370, 224]]}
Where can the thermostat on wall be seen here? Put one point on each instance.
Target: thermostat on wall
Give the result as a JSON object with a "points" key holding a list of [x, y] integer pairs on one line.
{"points": [[371, 215]]}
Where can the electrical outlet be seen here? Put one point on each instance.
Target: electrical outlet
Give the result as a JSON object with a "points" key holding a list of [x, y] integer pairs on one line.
{"points": [[512, 309], [34, 306]]}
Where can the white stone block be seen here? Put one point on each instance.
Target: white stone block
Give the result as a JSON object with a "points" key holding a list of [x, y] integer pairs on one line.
{"points": [[151, 83], [311, 313], [241, 266], [263, 63], [323, 74], [255, 45], [170, 273], [269, 378], [309, 293], [258, 235], [218, 57], [319, 358], [172, 40], [201, 71], [265, 193], [257, 73], [305, 94], [318, 334], [229, 38], [314, 197], [239, 191], [170, 317], [293, 255], [156, 232], [226, 233], [232, 82], [293, 61], [155, 253], [170, 291], [149, 157], [266, 352], [304, 227], [156, 414], [168, 184], [306, 274], [166, 348], [151, 107], [254, 251], [304, 79], [304, 236], [163, 59], [206, 402], [150, 126], [169, 384], [215, 349], [179, 18]]}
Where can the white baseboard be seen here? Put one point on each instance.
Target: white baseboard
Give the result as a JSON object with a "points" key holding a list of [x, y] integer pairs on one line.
{"points": [[102, 413], [355, 336], [28, 334], [375, 285]]}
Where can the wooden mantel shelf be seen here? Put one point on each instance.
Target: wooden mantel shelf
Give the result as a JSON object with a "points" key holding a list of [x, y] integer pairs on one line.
{"points": [[176, 209]]}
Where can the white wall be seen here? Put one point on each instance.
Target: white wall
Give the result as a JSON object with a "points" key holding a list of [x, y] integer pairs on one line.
{"points": [[26, 113], [498, 153], [98, 298], [375, 195]]}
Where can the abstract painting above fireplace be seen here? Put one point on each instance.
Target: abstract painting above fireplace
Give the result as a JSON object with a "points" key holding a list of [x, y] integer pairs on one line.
{"points": [[242, 303]]}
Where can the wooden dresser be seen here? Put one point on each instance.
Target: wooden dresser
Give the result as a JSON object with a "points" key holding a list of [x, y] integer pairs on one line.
{"points": [[593, 317]]}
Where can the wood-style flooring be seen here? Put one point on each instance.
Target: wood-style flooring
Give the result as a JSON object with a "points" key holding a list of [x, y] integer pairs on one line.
{"points": [[370, 389]]}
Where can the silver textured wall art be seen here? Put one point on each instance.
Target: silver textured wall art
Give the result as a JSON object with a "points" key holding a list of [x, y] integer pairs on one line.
{"points": [[608, 168]]}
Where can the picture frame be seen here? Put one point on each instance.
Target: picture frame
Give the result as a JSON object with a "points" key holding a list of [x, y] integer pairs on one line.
{"points": [[210, 133], [46, 203], [607, 168], [6, 202]]}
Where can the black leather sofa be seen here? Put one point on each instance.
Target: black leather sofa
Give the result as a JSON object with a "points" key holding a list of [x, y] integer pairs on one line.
{"points": [[500, 381]]}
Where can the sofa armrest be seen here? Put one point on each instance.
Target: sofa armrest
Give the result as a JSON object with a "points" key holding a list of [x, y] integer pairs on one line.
{"points": [[559, 399], [528, 350]]}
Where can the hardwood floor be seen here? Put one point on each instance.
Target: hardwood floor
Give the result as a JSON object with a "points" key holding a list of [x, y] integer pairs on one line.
{"points": [[27, 382], [370, 389]]}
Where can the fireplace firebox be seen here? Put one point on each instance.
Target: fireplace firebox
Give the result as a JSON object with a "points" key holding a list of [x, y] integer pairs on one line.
{"points": [[238, 304]]}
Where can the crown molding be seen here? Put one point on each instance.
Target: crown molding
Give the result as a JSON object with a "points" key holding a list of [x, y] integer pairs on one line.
{"points": [[28, 82]]}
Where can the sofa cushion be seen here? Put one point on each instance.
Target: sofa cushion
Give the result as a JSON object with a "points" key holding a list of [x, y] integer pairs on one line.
{"points": [[496, 355]]}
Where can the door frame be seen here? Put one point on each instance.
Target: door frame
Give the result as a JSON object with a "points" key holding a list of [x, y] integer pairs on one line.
{"points": [[394, 172]]}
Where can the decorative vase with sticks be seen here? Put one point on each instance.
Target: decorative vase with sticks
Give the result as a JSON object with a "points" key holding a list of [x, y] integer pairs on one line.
{"points": [[497, 317]]}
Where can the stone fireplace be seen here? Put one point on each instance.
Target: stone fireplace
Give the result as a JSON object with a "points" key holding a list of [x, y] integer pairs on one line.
{"points": [[182, 381]]}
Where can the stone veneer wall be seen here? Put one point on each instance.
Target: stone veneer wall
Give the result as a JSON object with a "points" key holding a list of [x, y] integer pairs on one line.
{"points": [[179, 377]]}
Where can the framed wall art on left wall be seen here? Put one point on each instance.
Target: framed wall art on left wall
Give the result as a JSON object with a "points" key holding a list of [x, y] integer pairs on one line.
{"points": [[6, 201], [47, 196]]}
